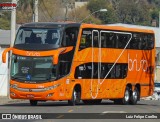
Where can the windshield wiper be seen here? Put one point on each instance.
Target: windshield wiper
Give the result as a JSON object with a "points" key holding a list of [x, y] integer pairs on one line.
{"points": [[17, 77]]}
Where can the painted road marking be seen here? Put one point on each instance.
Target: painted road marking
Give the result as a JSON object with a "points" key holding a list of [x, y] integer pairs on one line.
{"points": [[70, 110], [60, 116], [105, 112]]}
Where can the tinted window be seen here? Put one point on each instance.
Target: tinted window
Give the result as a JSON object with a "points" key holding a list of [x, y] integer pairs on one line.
{"points": [[85, 71], [142, 41], [150, 41], [70, 37], [108, 40], [139, 41], [122, 40], [38, 36], [86, 39]]}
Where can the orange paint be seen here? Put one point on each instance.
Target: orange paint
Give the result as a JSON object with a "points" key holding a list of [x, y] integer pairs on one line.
{"points": [[139, 62]]}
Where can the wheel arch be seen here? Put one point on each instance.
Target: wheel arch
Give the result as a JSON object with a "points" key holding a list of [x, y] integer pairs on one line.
{"points": [[139, 89], [77, 87], [129, 85]]}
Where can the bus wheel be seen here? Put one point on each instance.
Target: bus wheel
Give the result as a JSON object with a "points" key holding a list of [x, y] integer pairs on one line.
{"points": [[33, 102], [126, 99], [134, 97], [76, 96]]}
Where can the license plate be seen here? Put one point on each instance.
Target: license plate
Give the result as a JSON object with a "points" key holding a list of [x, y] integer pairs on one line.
{"points": [[30, 95]]}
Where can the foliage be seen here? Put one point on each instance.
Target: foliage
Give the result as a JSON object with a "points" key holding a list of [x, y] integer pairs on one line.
{"points": [[140, 12], [3, 23], [24, 11], [126, 11], [83, 13], [50, 10]]}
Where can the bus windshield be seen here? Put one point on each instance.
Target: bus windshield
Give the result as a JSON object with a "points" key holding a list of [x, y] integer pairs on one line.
{"points": [[32, 69], [38, 36]]}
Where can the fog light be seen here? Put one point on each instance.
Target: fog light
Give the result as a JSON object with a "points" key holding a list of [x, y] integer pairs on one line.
{"points": [[14, 86], [13, 94], [50, 94]]}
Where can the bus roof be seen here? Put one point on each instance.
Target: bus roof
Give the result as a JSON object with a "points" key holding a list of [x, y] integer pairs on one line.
{"points": [[50, 24], [117, 28], [84, 25]]}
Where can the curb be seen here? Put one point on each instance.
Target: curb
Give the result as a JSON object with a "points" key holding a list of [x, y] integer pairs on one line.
{"points": [[6, 100]]}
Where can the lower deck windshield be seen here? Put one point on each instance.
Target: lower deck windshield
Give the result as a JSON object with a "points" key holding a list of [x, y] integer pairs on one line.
{"points": [[32, 69]]}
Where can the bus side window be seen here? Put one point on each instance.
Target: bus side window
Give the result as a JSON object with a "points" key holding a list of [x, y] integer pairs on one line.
{"points": [[118, 71], [95, 40], [108, 40], [112, 73], [111, 40], [64, 68], [142, 42], [135, 42], [103, 40], [122, 40], [121, 70], [83, 71], [150, 42], [70, 37], [83, 42], [88, 41]]}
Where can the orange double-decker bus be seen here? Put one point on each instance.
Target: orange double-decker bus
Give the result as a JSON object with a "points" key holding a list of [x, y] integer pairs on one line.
{"points": [[75, 61]]}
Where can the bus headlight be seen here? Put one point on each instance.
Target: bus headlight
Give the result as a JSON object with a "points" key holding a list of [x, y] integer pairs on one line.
{"points": [[52, 87], [14, 86]]}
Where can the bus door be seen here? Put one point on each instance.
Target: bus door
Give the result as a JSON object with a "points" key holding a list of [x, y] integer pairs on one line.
{"points": [[96, 58]]}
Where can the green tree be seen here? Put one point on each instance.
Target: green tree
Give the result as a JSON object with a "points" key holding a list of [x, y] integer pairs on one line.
{"points": [[106, 17], [133, 12], [5, 18], [5, 25], [24, 11], [81, 13], [50, 10]]}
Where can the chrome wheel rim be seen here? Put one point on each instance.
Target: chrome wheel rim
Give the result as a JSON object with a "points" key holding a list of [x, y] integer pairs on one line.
{"points": [[127, 95], [135, 95], [75, 95]]}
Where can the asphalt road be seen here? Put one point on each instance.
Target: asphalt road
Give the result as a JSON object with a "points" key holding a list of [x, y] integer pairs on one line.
{"points": [[61, 110]]}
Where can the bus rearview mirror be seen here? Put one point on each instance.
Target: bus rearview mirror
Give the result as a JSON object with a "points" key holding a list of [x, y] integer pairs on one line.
{"points": [[4, 54], [56, 55]]}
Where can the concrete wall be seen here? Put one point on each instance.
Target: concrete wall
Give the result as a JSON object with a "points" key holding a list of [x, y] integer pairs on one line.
{"points": [[3, 76]]}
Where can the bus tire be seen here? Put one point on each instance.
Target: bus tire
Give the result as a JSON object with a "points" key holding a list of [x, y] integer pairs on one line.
{"points": [[125, 100], [134, 97], [76, 96], [33, 102]]}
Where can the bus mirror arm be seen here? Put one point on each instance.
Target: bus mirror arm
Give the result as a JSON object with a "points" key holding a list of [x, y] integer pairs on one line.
{"points": [[56, 56], [4, 54]]}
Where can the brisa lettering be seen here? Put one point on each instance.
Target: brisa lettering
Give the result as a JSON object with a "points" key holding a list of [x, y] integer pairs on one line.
{"points": [[134, 64], [28, 53]]}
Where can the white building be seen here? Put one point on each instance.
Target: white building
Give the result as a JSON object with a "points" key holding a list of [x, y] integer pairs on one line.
{"points": [[4, 43]]}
